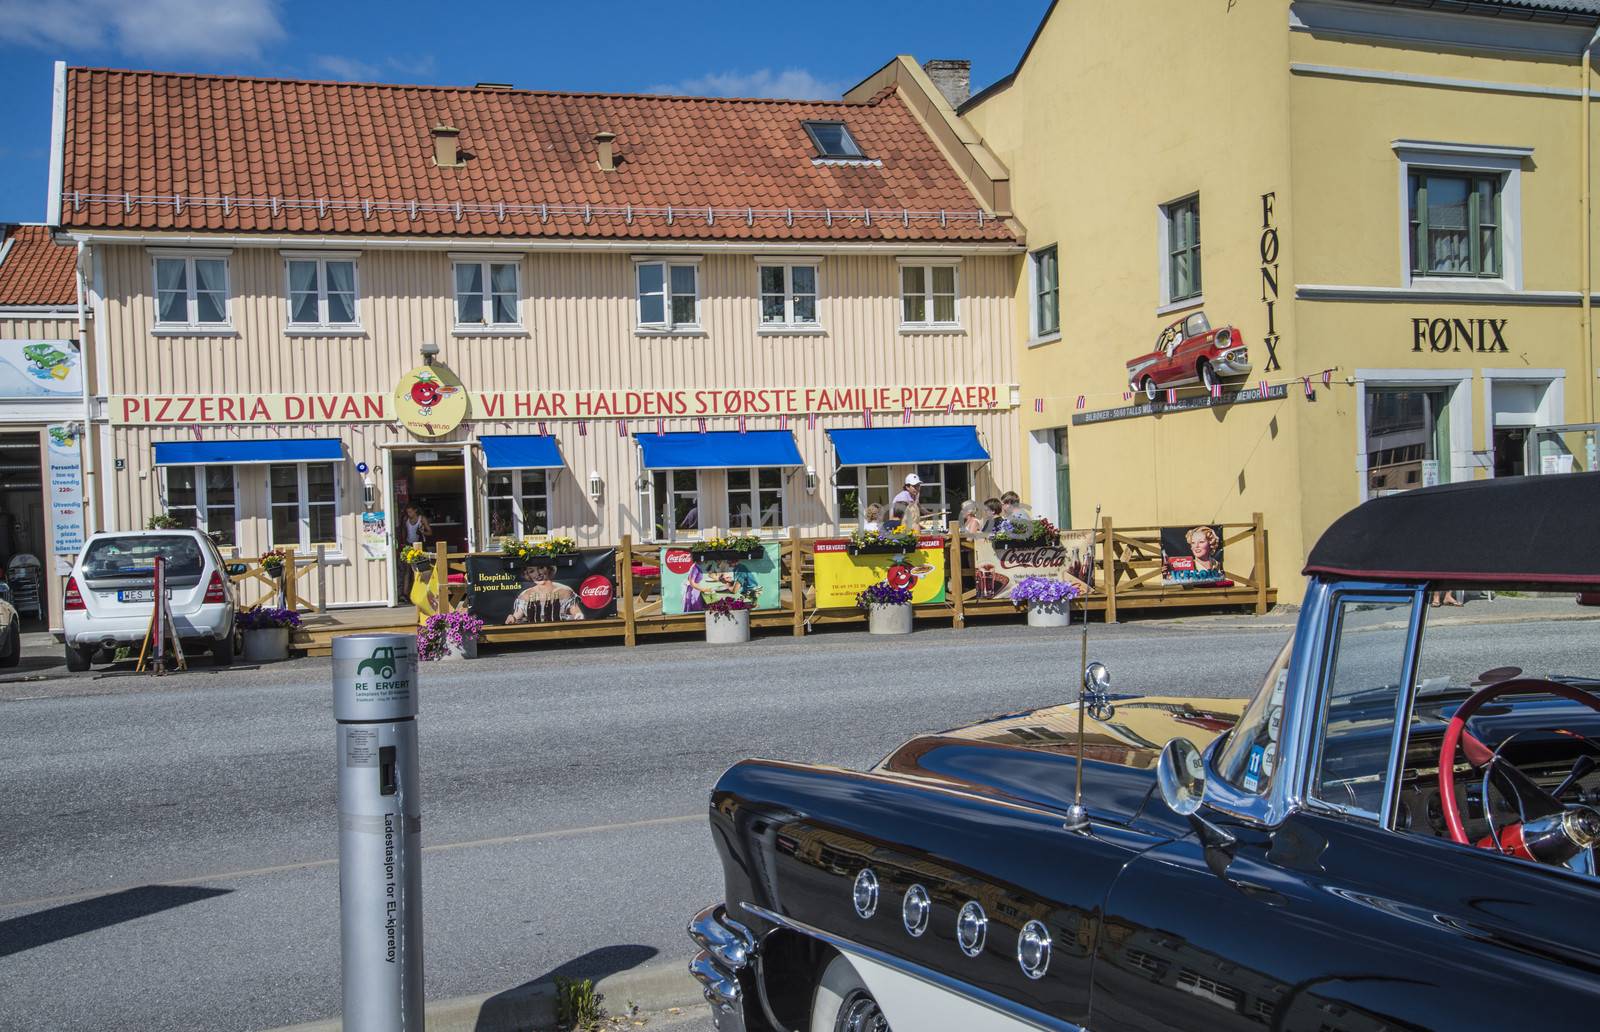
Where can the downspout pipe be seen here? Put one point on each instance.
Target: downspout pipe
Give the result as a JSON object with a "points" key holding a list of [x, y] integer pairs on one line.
{"points": [[91, 483], [1586, 286]]}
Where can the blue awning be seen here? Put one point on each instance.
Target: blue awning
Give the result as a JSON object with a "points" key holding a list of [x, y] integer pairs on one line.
{"points": [[721, 449], [520, 451], [905, 446], [215, 453]]}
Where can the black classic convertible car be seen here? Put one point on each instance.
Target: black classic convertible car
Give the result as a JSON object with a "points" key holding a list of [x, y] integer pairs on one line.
{"points": [[1387, 836]]}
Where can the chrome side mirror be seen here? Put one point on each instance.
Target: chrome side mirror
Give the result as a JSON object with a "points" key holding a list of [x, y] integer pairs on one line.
{"points": [[1181, 773]]}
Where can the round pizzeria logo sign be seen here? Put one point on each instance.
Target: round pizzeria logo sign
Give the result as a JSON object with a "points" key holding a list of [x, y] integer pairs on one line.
{"points": [[679, 560], [595, 592], [430, 401]]}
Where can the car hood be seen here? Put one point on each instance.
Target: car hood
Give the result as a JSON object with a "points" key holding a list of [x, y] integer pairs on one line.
{"points": [[1031, 756]]}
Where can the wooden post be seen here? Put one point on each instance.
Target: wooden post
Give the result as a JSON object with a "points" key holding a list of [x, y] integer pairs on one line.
{"points": [[441, 563], [1108, 569], [797, 586], [959, 619], [1259, 574], [322, 578], [630, 634], [286, 585]]}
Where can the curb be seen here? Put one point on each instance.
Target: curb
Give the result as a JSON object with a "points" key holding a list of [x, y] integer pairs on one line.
{"points": [[653, 987]]}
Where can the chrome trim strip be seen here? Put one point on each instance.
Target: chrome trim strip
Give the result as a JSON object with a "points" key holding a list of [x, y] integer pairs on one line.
{"points": [[982, 997], [719, 988]]}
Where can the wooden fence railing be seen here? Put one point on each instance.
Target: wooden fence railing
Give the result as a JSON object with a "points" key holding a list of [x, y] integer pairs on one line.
{"points": [[1127, 576], [255, 586]]}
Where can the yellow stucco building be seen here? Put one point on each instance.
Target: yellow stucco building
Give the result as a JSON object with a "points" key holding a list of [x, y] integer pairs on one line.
{"points": [[1398, 194]]}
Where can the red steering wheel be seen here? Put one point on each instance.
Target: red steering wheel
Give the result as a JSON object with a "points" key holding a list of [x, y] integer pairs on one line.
{"points": [[1477, 752]]}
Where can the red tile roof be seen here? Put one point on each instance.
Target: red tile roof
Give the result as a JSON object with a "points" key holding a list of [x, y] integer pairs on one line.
{"points": [[227, 154], [35, 270]]}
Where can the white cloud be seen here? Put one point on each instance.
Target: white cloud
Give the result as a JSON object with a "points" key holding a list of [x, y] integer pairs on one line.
{"points": [[790, 83], [392, 69], [154, 29]]}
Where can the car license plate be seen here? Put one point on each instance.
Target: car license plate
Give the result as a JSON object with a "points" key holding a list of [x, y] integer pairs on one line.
{"points": [[136, 596]]}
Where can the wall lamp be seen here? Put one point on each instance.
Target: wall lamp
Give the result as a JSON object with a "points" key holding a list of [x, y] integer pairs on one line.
{"points": [[596, 487], [430, 351], [811, 480]]}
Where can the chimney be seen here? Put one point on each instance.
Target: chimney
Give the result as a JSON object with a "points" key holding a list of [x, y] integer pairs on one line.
{"points": [[493, 86], [954, 79], [606, 158], [446, 146]]}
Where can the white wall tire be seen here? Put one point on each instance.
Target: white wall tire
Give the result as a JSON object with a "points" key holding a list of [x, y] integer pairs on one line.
{"points": [[842, 1002]]}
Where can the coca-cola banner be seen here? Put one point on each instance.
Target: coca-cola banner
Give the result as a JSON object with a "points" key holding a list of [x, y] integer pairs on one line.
{"points": [[841, 576], [997, 570], [1192, 556], [690, 582], [582, 586]]}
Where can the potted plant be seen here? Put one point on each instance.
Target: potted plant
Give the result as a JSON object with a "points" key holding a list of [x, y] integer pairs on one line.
{"points": [[266, 633], [1019, 531], [883, 542], [452, 635], [560, 551], [733, 548], [272, 561], [1049, 601], [888, 608], [162, 521], [728, 619], [420, 558]]}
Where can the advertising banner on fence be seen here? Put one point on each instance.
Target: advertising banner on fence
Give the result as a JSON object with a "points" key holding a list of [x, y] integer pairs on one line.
{"points": [[40, 369], [840, 576], [1191, 556], [997, 570], [582, 586], [689, 582]]}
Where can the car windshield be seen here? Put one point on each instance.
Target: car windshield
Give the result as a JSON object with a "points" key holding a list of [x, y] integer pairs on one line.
{"points": [[1248, 757], [135, 556], [1196, 324]]}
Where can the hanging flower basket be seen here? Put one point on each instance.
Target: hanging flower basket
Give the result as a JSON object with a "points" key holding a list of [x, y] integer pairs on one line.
{"points": [[882, 542], [272, 561]]}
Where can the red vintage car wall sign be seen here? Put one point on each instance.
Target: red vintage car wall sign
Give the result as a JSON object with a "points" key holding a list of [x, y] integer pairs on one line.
{"points": [[1190, 352]]}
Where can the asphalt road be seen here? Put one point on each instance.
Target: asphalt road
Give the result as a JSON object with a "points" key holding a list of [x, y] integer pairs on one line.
{"points": [[169, 847]]}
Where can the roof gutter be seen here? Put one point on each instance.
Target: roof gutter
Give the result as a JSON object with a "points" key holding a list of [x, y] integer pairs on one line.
{"points": [[672, 246], [91, 501], [58, 144]]}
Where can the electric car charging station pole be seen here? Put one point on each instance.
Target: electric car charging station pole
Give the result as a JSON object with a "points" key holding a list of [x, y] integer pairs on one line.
{"points": [[380, 841]]}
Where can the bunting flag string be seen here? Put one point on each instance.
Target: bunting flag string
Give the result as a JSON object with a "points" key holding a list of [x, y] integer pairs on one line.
{"points": [[950, 409], [1216, 390], [1083, 401], [1327, 377], [905, 417], [544, 429], [702, 426], [1264, 387], [1307, 381], [622, 428], [866, 418], [783, 421], [1127, 395], [661, 427], [811, 420], [583, 428], [1038, 404], [1172, 395], [742, 424]]}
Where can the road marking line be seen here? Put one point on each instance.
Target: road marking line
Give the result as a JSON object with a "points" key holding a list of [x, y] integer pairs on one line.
{"points": [[306, 865]]}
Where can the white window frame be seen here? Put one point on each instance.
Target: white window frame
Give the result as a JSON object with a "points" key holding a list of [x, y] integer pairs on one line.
{"points": [[191, 285], [487, 326], [928, 265], [1552, 402], [1037, 334], [657, 501], [1460, 406], [305, 546], [201, 506], [322, 325], [789, 322], [753, 498], [951, 513], [1469, 159], [862, 485], [519, 518], [666, 326], [1164, 211]]}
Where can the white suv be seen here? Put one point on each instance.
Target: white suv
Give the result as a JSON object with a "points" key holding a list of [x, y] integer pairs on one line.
{"points": [[111, 593]]}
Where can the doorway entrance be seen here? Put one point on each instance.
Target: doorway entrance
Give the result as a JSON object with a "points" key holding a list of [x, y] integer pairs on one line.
{"points": [[435, 481], [22, 522]]}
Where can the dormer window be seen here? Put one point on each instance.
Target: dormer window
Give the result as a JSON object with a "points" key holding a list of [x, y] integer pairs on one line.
{"points": [[833, 140]]}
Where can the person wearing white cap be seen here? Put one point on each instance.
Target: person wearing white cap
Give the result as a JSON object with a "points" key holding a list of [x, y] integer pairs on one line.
{"points": [[909, 495]]}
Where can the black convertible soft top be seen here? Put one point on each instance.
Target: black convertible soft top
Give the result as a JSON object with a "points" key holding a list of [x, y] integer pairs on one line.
{"points": [[1514, 530]]}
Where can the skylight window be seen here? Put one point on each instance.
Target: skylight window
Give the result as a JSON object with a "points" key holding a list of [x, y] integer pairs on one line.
{"points": [[833, 140]]}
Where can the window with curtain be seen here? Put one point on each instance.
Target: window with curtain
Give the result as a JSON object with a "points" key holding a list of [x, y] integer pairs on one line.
{"points": [[669, 295], [1455, 224], [303, 504], [519, 502], [204, 498], [677, 503], [788, 295], [755, 499], [322, 292], [1046, 292], [1183, 248], [487, 294], [191, 291], [928, 295]]}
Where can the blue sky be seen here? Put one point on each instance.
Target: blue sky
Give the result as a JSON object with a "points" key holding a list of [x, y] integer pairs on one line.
{"points": [[725, 48]]}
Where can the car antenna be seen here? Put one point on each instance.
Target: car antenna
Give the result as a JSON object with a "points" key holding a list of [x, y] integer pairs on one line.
{"points": [[1077, 816]]}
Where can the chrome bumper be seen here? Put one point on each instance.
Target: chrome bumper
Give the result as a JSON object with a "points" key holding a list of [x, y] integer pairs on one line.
{"points": [[726, 949]]}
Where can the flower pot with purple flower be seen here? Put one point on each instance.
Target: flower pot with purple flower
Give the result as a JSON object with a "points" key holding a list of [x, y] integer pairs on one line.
{"points": [[266, 633], [1049, 601], [452, 635], [728, 620], [888, 609]]}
